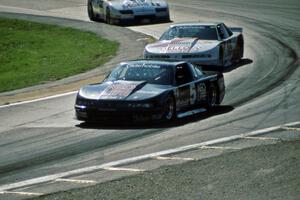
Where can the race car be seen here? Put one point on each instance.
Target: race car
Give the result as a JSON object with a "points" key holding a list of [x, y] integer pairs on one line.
{"points": [[124, 11], [199, 43], [150, 90]]}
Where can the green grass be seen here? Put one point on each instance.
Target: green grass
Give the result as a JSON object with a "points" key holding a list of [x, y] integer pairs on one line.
{"points": [[33, 53]]}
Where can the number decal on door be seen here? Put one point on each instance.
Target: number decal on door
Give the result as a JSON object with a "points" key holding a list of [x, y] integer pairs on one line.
{"points": [[193, 94]]}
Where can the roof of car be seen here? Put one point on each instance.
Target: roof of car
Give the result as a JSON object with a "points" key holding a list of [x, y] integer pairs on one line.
{"points": [[197, 24]]}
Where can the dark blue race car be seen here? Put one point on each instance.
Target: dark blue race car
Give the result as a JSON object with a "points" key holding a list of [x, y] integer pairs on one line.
{"points": [[150, 89]]}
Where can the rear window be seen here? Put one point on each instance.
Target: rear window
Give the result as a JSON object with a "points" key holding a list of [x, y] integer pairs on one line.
{"points": [[199, 31]]}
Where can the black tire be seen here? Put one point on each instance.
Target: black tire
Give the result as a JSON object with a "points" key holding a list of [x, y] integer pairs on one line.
{"points": [[108, 17], [241, 50], [212, 96], [169, 112], [167, 19], [91, 11]]}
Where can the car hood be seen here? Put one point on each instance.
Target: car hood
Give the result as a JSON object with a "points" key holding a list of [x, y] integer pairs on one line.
{"points": [[130, 4], [122, 90], [182, 45]]}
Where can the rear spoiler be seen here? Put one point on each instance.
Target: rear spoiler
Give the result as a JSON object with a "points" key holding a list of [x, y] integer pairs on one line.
{"points": [[236, 29]]}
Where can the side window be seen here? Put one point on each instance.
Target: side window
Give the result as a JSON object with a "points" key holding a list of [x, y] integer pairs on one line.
{"points": [[183, 74], [222, 31]]}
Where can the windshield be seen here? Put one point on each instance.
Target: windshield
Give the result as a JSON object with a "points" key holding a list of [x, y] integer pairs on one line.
{"points": [[152, 73], [198, 31]]}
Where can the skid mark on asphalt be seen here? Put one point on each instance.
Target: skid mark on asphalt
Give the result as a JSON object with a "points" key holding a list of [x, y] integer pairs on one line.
{"points": [[120, 165]]}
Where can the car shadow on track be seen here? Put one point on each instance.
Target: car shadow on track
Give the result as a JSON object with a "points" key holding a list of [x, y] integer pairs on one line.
{"points": [[243, 62], [143, 23], [123, 125]]}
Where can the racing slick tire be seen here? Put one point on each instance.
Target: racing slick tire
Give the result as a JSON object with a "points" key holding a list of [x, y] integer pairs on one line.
{"points": [[91, 11], [169, 110], [212, 98], [166, 19], [239, 51], [241, 48]]}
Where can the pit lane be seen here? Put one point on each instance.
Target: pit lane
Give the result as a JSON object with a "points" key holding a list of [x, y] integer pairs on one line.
{"points": [[264, 93]]}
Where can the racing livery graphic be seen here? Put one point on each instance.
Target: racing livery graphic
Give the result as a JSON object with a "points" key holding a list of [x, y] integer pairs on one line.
{"points": [[123, 11], [159, 90], [199, 43]]}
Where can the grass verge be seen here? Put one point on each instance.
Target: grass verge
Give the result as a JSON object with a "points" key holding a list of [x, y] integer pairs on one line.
{"points": [[33, 53]]}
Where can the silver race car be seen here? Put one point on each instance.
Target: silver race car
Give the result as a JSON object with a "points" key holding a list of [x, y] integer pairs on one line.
{"points": [[123, 11], [199, 43]]}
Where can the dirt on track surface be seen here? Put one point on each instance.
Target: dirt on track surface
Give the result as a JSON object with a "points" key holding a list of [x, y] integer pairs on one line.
{"points": [[256, 173]]}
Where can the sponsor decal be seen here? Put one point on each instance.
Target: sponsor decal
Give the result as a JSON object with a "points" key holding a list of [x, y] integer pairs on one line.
{"points": [[183, 98], [193, 95], [134, 3], [143, 65], [179, 45], [180, 49], [201, 91], [183, 45], [118, 90]]}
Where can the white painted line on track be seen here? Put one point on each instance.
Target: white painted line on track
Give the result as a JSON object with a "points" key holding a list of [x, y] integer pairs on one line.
{"points": [[290, 129], [219, 148], [141, 158], [123, 169], [40, 99], [22, 193], [76, 181], [174, 158], [261, 138]]}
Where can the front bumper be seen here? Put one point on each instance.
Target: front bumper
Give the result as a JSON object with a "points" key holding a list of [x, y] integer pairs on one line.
{"points": [[140, 17], [91, 113]]}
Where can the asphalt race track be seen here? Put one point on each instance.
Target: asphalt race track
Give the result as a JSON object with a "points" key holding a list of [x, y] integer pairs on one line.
{"points": [[43, 138]]}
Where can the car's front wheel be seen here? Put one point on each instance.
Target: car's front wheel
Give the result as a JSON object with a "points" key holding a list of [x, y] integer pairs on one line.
{"points": [[169, 109]]}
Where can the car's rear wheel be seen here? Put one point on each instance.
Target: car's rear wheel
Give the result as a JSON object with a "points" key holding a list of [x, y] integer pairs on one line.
{"points": [[212, 98], [241, 48], [167, 18], [91, 11], [169, 112], [239, 52]]}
